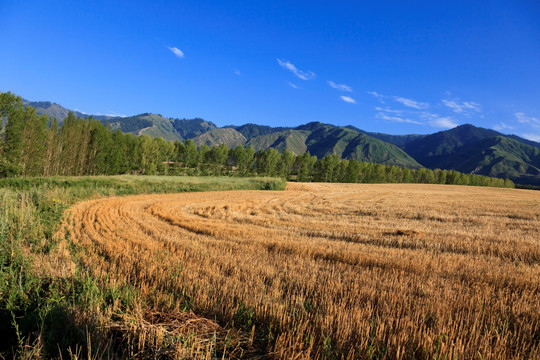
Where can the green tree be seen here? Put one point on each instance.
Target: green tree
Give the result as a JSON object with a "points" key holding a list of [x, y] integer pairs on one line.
{"points": [[148, 155], [425, 176], [340, 172], [34, 136], [407, 175], [285, 165], [100, 149], [132, 153], [266, 162], [440, 176], [217, 158], [118, 163], [53, 149], [303, 166], [12, 116], [190, 154], [353, 171], [326, 167]]}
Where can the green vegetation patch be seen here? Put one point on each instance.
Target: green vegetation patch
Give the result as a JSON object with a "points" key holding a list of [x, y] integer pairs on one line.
{"points": [[45, 310], [83, 187]]}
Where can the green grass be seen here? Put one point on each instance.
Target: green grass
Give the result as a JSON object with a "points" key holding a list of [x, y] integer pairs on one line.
{"points": [[45, 313], [82, 187]]}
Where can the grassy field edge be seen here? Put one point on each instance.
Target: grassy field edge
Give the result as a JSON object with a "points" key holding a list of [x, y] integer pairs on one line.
{"points": [[48, 301]]}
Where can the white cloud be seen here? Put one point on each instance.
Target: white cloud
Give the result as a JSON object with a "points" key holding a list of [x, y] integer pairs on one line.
{"points": [[503, 126], [177, 52], [113, 114], [348, 99], [524, 119], [237, 72], [341, 87], [411, 103], [292, 85], [462, 107], [532, 137], [443, 122], [384, 116], [377, 95], [438, 121], [304, 75], [110, 113], [390, 111]]}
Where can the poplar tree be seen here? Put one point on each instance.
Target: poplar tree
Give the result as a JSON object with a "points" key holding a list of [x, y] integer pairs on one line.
{"points": [[12, 115]]}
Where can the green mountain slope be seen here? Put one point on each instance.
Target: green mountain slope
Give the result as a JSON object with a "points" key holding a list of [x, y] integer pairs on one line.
{"points": [[366, 148], [132, 124], [523, 141], [292, 140], [58, 112], [498, 157], [190, 128], [432, 149], [161, 127], [327, 139], [470, 149], [398, 140], [150, 124], [216, 137], [322, 140], [251, 131], [153, 125]]}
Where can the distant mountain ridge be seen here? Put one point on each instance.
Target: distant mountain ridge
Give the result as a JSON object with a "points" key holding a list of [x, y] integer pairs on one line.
{"points": [[251, 131], [59, 112], [465, 148], [472, 149], [325, 139], [190, 128], [218, 136]]}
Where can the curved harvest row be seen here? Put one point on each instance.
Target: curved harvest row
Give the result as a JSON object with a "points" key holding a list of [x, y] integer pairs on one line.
{"points": [[324, 270]]}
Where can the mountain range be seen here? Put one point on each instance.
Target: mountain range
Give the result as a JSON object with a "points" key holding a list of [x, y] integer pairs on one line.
{"points": [[466, 148]]}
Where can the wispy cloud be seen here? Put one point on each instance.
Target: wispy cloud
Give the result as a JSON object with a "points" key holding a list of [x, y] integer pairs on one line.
{"points": [[503, 126], [237, 72], [416, 112], [348, 99], [399, 119], [532, 137], [304, 75], [524, 119], [443, 122], [437, 121], [292, 85], [110, 113], [399, 115], [418, 105], [411, 103], [177, 52], [341, 87], [390, 111], [466, 108], [377, 95]]}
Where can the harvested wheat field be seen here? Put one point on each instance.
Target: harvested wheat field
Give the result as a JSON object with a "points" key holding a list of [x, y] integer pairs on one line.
{"points": [[331, 270]]}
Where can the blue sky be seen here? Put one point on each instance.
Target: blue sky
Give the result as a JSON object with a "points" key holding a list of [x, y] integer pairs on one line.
{"points": [[389, 66]]}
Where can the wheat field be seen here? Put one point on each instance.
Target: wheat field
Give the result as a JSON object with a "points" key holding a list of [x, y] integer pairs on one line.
{"points": [[326, 270]]}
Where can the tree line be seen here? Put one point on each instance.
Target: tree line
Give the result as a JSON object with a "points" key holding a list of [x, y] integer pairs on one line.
{"points": [[34, 145]]}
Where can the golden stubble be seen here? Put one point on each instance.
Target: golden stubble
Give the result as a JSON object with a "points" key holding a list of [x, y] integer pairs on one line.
{"points": [[327, 270]]}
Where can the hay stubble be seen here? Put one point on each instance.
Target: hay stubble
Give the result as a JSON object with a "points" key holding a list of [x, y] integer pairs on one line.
{"points": [[326, 270]]}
